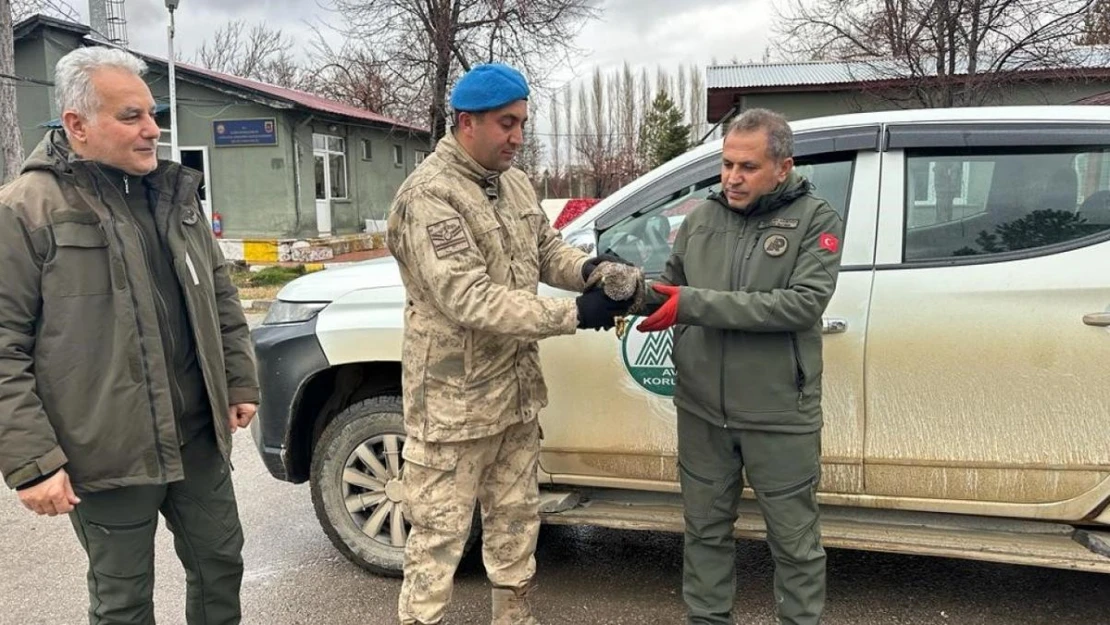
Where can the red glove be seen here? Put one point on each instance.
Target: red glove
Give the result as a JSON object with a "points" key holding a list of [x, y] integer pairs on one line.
{"points": [[667, 315]]}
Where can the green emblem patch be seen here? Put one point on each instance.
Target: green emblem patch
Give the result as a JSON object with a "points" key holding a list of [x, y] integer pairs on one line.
{"points": [[647, 358]]}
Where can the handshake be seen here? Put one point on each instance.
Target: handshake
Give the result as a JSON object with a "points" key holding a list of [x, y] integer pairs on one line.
{"points": [[614, 288]]}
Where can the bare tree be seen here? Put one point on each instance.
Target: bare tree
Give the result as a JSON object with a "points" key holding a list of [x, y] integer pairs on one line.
{"points": [[357, 75], [258, 53], [529, 158], [646, 96], [22, 9], [662, 80], [628, 117], [680, 87], [937, 52], [595, 140], [556, 139], [584, 131], [697, 104], [568, 110], [428, 42], [1096, 25]]}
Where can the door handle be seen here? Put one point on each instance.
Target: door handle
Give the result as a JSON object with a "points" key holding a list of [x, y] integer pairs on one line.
{"points": [[833, 325], [1101, 320]]}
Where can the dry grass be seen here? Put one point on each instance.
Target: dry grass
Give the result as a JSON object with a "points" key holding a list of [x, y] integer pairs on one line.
{"points": [[259, 292]]}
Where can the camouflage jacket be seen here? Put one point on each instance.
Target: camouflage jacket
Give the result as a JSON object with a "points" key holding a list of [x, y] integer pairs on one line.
{"points": [[473, 246]]}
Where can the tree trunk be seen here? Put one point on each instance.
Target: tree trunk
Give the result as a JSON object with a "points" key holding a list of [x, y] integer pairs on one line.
{"points": [[11, 142]]}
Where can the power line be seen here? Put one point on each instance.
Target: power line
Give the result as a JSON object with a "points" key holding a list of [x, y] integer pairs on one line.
{"points": [[32, 81]]}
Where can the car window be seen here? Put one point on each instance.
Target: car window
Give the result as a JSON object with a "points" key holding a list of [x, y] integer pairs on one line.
{"points": [[645, 237], [981, 203]]}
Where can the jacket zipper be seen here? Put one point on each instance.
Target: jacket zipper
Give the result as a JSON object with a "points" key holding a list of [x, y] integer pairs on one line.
{"points": [[138, 324], [160, 302], [735, 260], [747, 257], [506, 242]]}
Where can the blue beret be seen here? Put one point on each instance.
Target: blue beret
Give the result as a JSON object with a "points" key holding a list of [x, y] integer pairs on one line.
{"points": [[488, 87]]}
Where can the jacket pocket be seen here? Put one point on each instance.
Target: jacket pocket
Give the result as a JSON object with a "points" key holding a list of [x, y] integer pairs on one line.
{"points": [[799, 368], [80, 264], [761, 373], [488, 356], [489, 232], [695, 354], [451, 400]]}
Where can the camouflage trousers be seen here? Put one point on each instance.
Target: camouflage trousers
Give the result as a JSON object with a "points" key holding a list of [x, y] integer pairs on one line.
{"points": [[442, 483]]}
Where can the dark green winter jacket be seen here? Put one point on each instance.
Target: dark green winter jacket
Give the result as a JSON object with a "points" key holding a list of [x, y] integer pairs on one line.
{"points": [[83, 377], [747, 347]]}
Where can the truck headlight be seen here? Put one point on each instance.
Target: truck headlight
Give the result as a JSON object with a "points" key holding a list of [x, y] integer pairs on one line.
{"points": [[292, 312]]}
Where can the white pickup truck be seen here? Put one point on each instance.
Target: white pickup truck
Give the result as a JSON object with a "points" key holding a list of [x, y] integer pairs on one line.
{"points": [[967, 391]]}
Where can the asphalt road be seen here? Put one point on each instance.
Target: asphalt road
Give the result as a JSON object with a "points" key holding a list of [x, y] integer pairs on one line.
{"points": [[587, 575]]}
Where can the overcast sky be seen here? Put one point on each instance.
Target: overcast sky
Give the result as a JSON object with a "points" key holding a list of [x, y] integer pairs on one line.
{"points": [[643, 32]]}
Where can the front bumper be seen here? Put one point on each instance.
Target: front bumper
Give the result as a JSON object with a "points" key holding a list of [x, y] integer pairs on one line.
{"points": [[289, 355]]}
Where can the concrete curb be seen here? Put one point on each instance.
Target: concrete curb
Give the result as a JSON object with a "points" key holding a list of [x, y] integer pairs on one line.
{"points": [[256, 305]]}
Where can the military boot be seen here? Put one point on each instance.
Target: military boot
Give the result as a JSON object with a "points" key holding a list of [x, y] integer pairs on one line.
{"points": [[510, 606]]}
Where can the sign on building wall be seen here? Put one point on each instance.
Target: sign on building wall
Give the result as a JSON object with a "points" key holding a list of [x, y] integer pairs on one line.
{"points": [[234, 132]]}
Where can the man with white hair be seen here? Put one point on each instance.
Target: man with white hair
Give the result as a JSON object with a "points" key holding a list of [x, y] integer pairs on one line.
{"points": [[125, 357]]}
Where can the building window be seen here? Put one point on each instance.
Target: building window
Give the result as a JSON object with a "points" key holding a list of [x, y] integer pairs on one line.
{"points": [[398, 155], [367, 150], [331, 164], [420, 156], [165, 146]]}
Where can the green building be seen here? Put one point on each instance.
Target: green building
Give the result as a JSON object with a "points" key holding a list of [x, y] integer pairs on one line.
{"points": [[804, 90], [285, 170]]}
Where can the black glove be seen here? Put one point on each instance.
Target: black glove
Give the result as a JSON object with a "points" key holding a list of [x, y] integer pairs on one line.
{"points": [[592, 264], [596, 310]]}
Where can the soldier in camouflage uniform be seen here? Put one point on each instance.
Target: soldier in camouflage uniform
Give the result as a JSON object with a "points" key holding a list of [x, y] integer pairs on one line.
{"points": [[473, 245]]}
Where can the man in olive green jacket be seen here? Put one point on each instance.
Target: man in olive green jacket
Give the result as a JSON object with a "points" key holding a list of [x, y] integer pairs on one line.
{"points": [[750, 275], [125, 357]]}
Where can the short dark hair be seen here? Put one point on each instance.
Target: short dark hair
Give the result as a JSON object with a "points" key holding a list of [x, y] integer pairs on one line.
{"points": [[780, 138], [455, 116]]}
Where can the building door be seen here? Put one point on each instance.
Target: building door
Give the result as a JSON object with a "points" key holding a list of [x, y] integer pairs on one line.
{"points": [[197, 158], [330, 159], [323, 192]]}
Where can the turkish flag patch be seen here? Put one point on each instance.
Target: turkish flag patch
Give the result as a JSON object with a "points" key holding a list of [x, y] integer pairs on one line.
{"points": [[829, 242]]}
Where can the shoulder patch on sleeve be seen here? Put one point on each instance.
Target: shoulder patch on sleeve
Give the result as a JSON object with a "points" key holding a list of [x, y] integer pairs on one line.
{"points": [[448, 237], [828, 241]]}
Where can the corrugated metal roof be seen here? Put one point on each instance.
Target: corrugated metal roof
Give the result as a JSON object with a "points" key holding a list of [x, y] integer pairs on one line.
{"points": [[846, 72], [292, 96], [305, 99], [787, 74]]}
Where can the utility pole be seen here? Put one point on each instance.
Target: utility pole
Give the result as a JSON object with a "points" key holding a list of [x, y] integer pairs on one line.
{"points": [[11, 140], [172, 5]]}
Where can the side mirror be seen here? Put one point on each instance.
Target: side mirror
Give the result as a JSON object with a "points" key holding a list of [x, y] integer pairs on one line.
{"points": [[584, 239]]}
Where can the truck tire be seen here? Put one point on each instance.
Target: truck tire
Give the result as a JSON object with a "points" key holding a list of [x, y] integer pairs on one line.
{"points": [[356, 485]]}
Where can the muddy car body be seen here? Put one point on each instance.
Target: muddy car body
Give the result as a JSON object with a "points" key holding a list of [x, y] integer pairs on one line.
{"points": [[966, 392]]}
